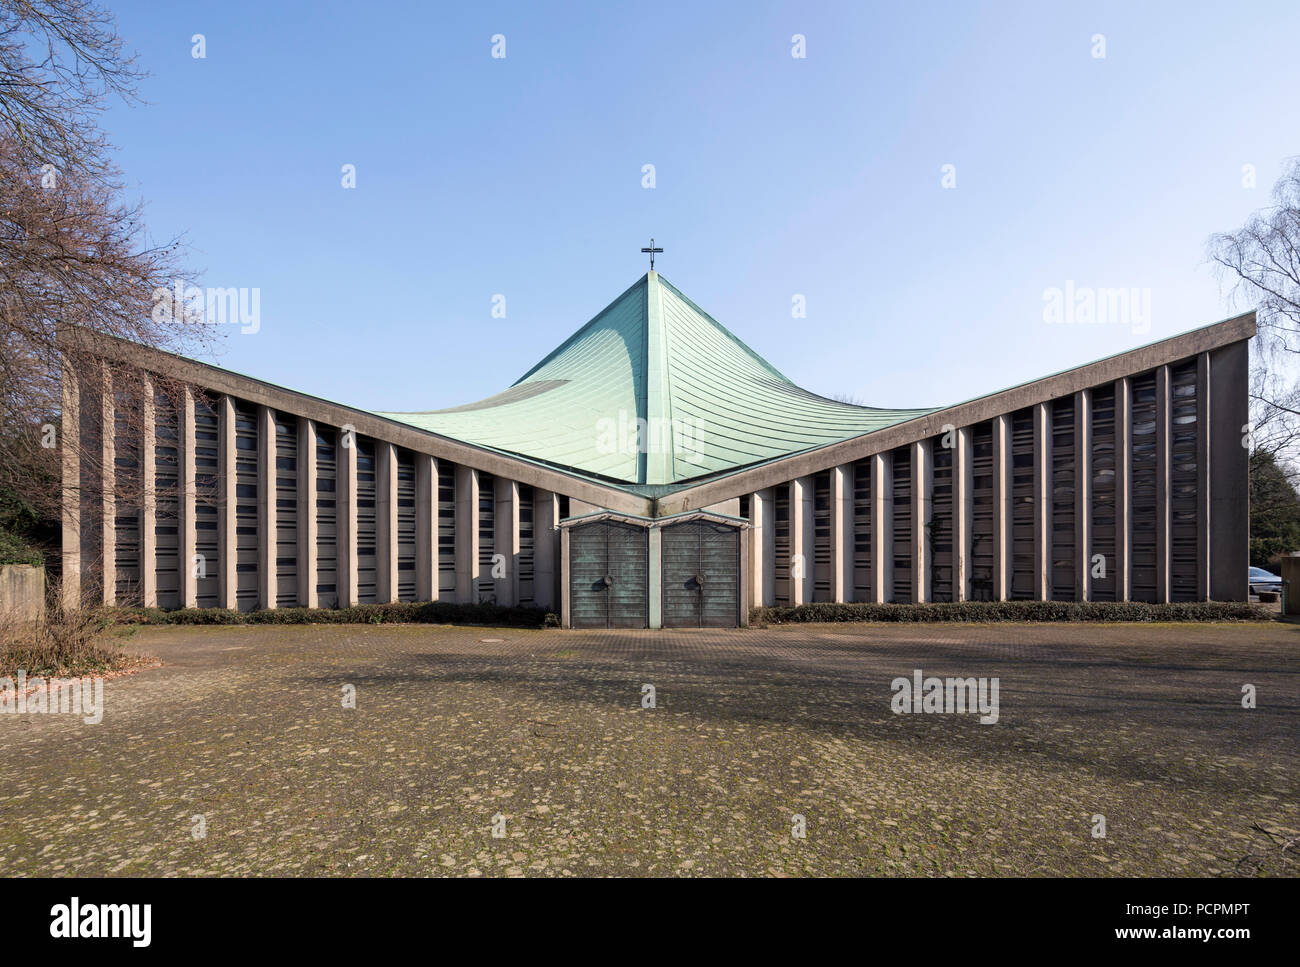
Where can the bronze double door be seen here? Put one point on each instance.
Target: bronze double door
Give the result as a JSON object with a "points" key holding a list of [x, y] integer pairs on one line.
{"points": [[701, 575]]}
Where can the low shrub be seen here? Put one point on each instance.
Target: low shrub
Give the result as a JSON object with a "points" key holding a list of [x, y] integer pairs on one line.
{"points": [[427, 612], [977, 611], [63, 641]]}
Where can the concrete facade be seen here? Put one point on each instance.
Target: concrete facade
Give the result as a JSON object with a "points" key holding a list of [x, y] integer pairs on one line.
{"points": [[1134, 466]]}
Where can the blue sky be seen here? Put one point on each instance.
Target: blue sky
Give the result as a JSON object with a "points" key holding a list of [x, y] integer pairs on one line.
{"points": [[775, 176]]}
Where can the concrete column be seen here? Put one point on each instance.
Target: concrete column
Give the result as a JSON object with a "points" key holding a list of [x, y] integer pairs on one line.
{"points": [[266, 536], [1229, 473], [505, 538], [346, 524], [1123, 490], [655, 578], [308, 530], [108, 486], [546, 548], [187, 498], [385, 522], [70, 452], [1203, 456], [963, 517], [762, 547], [1163, 530], [1043, 501], [467, 567], [842, 533], [227, 543], [882, 526], [426, 528], [1083, 495], [1002, 508], [922, 457], [566, 619], [802, 538]]}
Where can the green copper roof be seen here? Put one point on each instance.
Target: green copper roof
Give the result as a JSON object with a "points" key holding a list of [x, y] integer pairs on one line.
{"points": [[653, 359]]}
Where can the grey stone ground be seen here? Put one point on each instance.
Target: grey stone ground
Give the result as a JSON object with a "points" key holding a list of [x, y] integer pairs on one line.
{"points": [[245, 726]]}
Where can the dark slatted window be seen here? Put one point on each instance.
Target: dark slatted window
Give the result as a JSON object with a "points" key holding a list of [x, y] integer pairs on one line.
{"points": [[167, 501], [246, 482], [1182, 481], [367, 522], [1064, 486], [327, 534], [1023, 447], [405, 576], [486, 586], [207, 502], [902, 549], [821, 562], [864, 587], [526, 545], [126, 459], [781, 564], [286, 511], [942, 531], [981, 567], [1143, 485], [1104, 517], [446, 530]]}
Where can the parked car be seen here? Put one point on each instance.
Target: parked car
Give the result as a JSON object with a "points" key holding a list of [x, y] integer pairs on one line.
{"points": [[1261, 580]]}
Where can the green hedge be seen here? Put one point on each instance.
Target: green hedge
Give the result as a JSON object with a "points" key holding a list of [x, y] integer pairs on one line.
{"points": [[1015, 611], [436, 612]]}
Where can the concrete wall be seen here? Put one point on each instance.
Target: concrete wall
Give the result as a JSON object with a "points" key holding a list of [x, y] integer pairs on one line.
{"points": [[22, 591]]}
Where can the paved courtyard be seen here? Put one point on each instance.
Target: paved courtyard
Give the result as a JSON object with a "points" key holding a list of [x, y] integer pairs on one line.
{"points": [[544, 733]]}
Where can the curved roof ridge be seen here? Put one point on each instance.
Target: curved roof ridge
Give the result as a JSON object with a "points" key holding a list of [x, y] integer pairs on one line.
{"points": [[591, 323]]}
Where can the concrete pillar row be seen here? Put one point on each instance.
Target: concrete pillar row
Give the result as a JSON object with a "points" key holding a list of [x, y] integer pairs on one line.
{"points": [[308, 528], [1002, 507], [227, 543], [70, 452], [346, 508], [426, 528], [467, 542], [266, 535], [1083, 495], [386, 576], [108, 486], [882, 526]]}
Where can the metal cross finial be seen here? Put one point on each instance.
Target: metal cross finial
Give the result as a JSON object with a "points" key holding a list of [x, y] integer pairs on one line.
{"points": [[652, 251]]}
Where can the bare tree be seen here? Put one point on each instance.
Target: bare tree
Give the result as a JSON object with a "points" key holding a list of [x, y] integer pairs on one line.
{"points": [[75, 258], [1260, 262], [60, 60]]}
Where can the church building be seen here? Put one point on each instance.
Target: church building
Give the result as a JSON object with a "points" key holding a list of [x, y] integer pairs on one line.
{"points": [[654, 471]]}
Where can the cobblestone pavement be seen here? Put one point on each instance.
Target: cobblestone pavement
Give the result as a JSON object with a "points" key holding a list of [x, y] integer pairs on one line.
{"points": [[246, 728]]}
